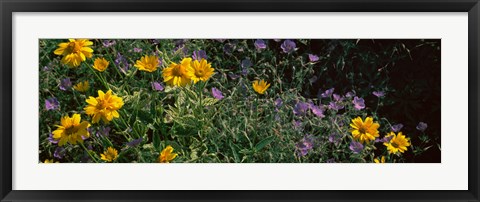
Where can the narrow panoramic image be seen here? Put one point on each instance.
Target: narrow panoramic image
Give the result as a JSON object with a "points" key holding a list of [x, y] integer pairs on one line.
{"points": [[239, 101]]}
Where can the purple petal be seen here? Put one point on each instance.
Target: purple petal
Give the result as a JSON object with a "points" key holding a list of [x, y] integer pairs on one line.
{"points": [[65, 84], [313, 58], [51, 104], [318, 111], [422, 126], [356, 147], [59, 152], [260, 44], [300, 108], [278, 102], [51, 139], [157, 86], [397, 127], [217, 94], [328, 93], [379, 94], [199, 55], [359, 103], [135, 142], [288, 46]]}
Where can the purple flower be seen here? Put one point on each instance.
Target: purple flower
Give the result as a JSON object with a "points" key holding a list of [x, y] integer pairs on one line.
{"points": [[137, 50], [330, 161], [260, 44], [335, 138], [350, 94], [422, 126], [304, 145], [359, 103], [217, 94], [199, 55], [51, 139], [228, 48], [397, 127], [51, 104], [387, 138], [246, 63], [59, 152], [313, 58], [327, 93], [318, 111], [337, 98], [157, 86], [46, 68], [278, 102], [356, 147], [334, 106], [122, 63], [135, 142], [384, 139], [300, 108], [288, 46], [108, 43], [65, 84], [103, 131], [379, 94]]}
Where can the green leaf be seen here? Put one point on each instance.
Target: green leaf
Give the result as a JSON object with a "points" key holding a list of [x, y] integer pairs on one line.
{"points": [[156, 140], [260, 145], [235, 155], [209, 101]]}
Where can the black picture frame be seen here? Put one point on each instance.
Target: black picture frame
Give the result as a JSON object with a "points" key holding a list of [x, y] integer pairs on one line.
{"points": [[8, 7]]}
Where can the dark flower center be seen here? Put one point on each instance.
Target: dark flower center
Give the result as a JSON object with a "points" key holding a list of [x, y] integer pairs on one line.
{"points": [[199, 73], [71, 130], [362, 130], [395, 144], [74, 47], [177, 71]]}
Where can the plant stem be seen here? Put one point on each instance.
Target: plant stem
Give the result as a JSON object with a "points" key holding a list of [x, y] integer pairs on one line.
{"points": [[88, 152]]}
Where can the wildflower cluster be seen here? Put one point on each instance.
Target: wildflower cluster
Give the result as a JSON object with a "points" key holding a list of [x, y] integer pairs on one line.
{"points": [[218, 100]]}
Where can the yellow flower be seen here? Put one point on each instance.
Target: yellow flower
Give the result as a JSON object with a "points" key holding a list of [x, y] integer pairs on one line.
{"points": [[109, 155], [382, 160], [75, 51], [50, 161], [147, 63], [200, 70], [398, 143], [364, 131], [167, 155], [100, 64], [104, 106], [177, 74], [260, 87], [82, 86], [71, 130]]}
